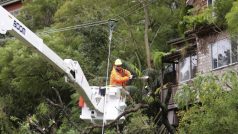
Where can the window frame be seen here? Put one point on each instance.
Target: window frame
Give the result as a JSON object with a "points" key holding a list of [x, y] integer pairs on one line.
{"points": [[191, 76], [210, 2], [230, 55]]}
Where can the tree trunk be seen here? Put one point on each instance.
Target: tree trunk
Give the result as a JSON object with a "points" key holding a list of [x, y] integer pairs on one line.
{"points": [[147, 47]]}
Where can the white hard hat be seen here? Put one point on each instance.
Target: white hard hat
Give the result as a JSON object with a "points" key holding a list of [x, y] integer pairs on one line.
{"points": [[118, 62]]}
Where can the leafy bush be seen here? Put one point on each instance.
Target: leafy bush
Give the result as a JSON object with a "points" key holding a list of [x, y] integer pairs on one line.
{"points": [[212, 105], [232, 19]]}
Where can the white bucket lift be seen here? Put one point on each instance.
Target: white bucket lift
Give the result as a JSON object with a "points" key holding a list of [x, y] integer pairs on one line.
{"points": [[98, 108], [110, 100]]}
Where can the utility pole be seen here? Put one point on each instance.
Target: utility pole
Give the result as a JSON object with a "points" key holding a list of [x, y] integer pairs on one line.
{"points": [[147, 47]]}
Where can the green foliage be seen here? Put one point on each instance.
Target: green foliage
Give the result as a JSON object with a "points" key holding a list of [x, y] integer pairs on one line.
{"points": [[196, 21], [90, 42], [5, 124], [165, 19], [232, 19], [212, 15], [111, 131], [157, 59], [39, 13], [42, 109], [26, 79], [132, 68], [149, 99], [138, 124], [201, 86], [24, 128], [213, 105], [221, 8]]}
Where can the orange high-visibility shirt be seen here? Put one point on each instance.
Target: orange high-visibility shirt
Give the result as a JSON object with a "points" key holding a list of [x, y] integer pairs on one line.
{"points": [[81, 102], [119, 78]]}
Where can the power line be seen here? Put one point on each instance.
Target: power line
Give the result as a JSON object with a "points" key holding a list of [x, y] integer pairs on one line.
{"points": [[118, 15], [91, 24], [82, 25], [150, 2]]}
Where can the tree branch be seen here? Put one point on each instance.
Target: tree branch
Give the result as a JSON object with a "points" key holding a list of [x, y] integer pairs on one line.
{"points": [[131, 110], [64, 109], [58, 95], [229, 86], [54, 104], [35, 126]]}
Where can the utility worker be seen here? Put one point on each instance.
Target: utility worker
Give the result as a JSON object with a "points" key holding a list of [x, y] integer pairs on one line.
{"points": [[119, 76]]}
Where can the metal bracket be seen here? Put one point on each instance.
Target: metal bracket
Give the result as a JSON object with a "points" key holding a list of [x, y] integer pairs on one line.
{"points": [[112, 24]]}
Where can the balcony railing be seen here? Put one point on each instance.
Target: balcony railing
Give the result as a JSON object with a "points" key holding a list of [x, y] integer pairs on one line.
{"points": [[164, 92]]}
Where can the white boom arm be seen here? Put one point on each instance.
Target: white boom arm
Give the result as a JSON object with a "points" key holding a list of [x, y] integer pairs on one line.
{"points": [[9, 23], [98, 107]]}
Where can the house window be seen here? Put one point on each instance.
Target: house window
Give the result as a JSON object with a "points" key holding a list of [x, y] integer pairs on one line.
{"points": [[224, 52], [210, 2], [169, 73], [187, 68]]}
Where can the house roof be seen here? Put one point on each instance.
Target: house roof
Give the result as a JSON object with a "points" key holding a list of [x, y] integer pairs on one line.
{"points": [[204, 30], [7, 2], [181, 41], [177, 54]]}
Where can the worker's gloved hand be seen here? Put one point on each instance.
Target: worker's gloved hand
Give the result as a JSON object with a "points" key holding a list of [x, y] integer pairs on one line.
{"points": [[131, 77]]}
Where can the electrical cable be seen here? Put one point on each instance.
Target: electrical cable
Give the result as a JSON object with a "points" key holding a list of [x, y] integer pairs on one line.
{"points": [[150, 2], [85, 24], [122, 12], [111, 27], [91, 24]]}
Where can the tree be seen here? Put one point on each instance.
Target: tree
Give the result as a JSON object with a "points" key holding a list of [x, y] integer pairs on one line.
{"points": [[221, 8], [232, 19], [38, 14], [209, 104], [147, 47]]}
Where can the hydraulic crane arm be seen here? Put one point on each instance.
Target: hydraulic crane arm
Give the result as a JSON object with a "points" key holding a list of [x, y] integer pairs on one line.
{"points": [[102, 103], [8, 23]]}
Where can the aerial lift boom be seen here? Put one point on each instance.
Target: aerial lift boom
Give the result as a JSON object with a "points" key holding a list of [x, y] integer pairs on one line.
{"points": [[99, 107]]}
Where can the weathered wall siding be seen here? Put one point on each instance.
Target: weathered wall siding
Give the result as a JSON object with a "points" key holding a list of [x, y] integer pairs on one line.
{"points": [[204, 61], [200, 3], [221, 71], [205, 55]]}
